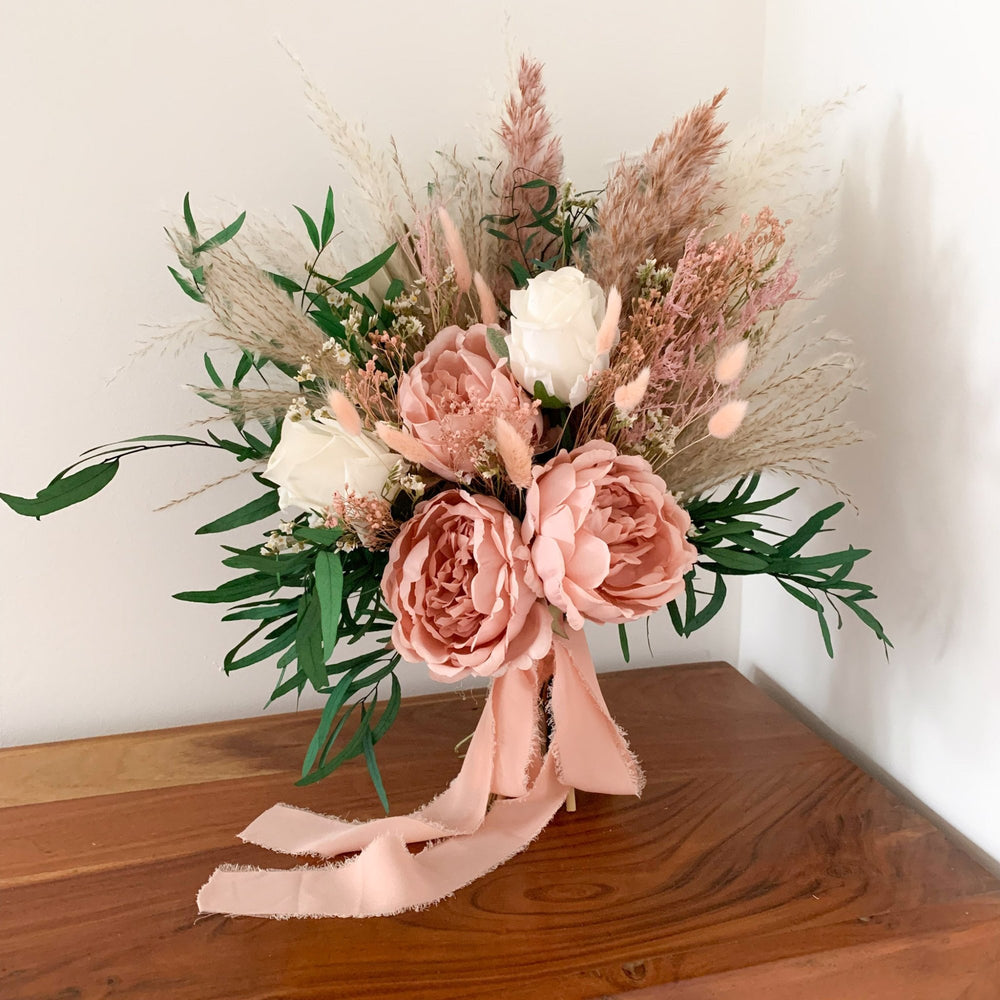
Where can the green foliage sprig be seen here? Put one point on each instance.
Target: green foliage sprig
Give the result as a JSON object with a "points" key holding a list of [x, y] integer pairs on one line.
{"points": [[728, 538]]}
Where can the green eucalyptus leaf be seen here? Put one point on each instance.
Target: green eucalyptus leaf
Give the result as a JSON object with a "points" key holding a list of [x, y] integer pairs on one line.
{"points": [[255, 510], [310, 228], [223, 235], [329, 218], [329, 587], [365, 271], [498, 342], [64, 491], [190, 290]]}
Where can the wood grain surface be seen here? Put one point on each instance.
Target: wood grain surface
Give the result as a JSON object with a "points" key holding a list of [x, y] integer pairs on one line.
{"points": [[758, 863]]}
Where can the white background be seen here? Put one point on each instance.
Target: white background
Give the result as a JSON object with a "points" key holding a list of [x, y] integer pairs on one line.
{"points": [[112, 110]]}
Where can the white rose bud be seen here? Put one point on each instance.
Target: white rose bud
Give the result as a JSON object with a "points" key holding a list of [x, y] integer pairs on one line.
{"points": [[316, 458], [553, 333]]}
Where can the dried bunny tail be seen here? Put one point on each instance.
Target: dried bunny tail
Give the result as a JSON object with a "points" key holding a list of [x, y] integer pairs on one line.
{"points": [[467, 187], [794, 420], [403, 444], [730, 364], [653, 204], [607, 333], [456, 250], [488, 311], [514, 452], [726, 420], [629, 396], [345, 411]]}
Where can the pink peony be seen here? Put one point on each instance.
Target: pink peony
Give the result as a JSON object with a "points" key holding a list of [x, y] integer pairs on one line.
{"points": [[608, 542], [458, 583], [450, 399]]}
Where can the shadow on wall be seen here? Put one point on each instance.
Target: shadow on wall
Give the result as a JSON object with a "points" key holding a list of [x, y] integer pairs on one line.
{"points": [[903, 303]]}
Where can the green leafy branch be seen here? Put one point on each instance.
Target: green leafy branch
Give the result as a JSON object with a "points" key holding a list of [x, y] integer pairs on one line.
{"points": [[549, 237], [301, 604], [729, 542]]}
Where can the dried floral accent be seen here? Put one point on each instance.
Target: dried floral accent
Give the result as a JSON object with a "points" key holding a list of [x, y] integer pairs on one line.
{"points": [[607, 334], [532, 153], [652, 205], [404, 443], [489, 314], [371, 391], [726, 420], [720, 294], [341, 407], [456, 251], [731, 363], [365, 518], [256, 314], [629, 396], [514, 451]]}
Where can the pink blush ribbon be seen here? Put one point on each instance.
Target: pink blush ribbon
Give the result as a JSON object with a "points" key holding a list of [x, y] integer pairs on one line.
{"points": [[468, 837]]}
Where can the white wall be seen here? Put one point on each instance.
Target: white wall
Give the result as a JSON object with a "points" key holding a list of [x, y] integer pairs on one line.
{"points": [[918, 232], [111, 111]]}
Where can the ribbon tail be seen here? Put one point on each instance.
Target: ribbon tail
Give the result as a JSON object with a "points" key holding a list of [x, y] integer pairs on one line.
{"points": [[386, 878], [590, 749]]}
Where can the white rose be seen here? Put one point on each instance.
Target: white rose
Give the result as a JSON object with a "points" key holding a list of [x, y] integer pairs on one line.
{"points": [[316, 458], [553, 333]]}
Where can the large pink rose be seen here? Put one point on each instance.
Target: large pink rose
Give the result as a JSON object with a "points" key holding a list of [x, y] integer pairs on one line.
{"points": [[450, 399], [457, 582], [608, 542]]}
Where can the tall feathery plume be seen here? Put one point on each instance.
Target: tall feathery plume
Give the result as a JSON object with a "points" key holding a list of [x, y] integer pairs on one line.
{"points": [[257, 315], [533, 153], [652, 205]]}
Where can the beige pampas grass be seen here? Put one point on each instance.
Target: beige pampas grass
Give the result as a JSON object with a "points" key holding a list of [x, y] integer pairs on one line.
{"points": [[514, 452]]}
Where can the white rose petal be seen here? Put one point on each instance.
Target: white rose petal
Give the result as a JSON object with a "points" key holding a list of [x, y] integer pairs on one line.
{"points": [[316, 458], [553, 333]]}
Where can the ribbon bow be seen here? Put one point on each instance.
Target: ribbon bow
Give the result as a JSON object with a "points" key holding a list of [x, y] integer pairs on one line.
{"points": [[586, 750]]}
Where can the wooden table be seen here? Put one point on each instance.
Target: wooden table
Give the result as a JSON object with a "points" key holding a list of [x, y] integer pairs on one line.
{"points": [[758, 863]]}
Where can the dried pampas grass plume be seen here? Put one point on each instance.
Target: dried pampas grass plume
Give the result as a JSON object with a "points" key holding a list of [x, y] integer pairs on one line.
{"points": [[514, 452], [345, 411], [731, 362], [726, 420], [456, 251], [488, 311]]}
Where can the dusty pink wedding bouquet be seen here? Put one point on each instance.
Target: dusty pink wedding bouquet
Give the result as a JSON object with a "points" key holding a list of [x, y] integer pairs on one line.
{"points": [[536, 407]]}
